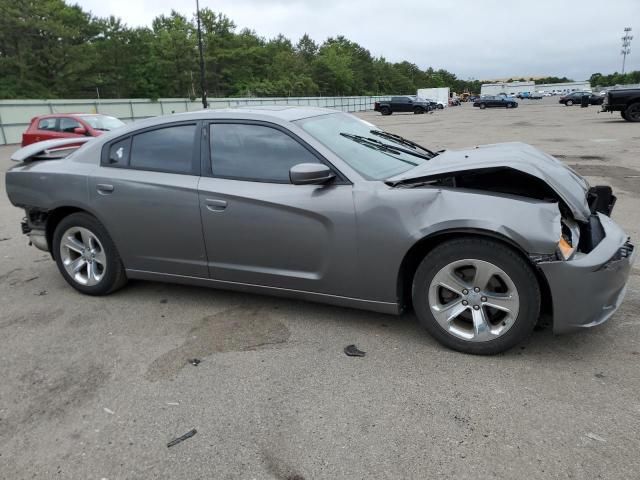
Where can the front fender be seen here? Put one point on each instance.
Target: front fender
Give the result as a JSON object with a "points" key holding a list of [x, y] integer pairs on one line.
{"points": [[391, 221]]}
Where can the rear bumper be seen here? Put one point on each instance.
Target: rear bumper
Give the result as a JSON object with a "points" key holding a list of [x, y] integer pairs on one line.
{"points": [[586, 291]]}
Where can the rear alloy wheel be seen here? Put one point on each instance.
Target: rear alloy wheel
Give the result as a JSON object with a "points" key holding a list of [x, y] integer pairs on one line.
{"points": [[86, 255], [385, 111], [568, 103], [476, 296], [632, 112]]}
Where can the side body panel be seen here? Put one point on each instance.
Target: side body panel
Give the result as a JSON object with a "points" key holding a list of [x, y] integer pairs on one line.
{"points": [[298, 237], [153, 218], [392, 220]]}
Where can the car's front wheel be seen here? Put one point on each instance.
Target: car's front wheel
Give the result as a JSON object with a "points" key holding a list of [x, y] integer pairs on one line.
{"points": [[483, 106], [86, 256], [476, 296], [385, 111], [568, 103]]}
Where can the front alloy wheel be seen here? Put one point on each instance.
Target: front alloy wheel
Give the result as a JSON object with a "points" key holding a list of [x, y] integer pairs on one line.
{"points": [[476, 295], [474, 300]]}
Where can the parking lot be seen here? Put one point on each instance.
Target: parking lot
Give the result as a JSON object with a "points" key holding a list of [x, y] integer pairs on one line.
{"points": [[94, 388]]}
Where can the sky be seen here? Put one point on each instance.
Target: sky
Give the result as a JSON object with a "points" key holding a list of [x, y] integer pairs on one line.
{"points": [[479, 39]]}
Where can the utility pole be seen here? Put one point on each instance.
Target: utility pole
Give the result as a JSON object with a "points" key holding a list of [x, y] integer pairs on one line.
{"points": [[202, 80], [626, 45]]}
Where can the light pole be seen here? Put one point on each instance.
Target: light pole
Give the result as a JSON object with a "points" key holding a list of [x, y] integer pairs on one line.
{"points": [[626, 45], [202, 80]]}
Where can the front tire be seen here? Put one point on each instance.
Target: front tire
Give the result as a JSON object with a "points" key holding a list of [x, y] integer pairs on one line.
{"points": [[568, 103], [482, 106], [476, 296], [385, 111], [86, 256], [418, 110]]}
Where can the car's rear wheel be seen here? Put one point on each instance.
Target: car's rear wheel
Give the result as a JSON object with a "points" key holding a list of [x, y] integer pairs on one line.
{"points": [[632, 112], [623, 114], [568, 103], [440, 107], [86, 256], [418, 110], [385, 110], [509, 105], [476, 296], [483, 106]]}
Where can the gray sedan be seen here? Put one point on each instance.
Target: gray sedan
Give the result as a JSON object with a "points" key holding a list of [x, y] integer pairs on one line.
{"points": [[319, 205]]}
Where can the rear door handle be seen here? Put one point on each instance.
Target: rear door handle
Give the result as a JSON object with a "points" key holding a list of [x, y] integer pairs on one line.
{"points": [[215, 205], [104, 188]]}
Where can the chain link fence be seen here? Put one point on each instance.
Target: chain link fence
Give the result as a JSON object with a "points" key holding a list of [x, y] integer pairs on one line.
{"points": [[15, 115]]}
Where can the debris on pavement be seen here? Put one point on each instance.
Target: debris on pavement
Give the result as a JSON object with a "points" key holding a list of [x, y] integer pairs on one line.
{"points": [[194, 361], [352, 351], [164, 300], [41, 293], [595, 437], [4, 239], [110, 412], [173, 403], [176, 441], [599, 375], [31, 279]]}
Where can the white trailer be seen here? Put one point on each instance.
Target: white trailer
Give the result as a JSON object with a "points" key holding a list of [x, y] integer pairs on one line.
{"points": [[440, 95]]}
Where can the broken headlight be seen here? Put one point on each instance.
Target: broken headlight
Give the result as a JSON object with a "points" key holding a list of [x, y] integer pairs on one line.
{"points": [[569, 239]]}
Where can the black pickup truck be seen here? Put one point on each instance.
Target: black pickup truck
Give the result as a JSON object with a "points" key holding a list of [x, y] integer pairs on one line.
{"points": [[405, 103], [624, 100]]}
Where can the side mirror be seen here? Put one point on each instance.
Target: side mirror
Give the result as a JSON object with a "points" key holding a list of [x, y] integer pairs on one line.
{"points": [[310, 174], [80, 131]]}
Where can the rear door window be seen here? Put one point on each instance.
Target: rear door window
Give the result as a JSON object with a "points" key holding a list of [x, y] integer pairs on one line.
{"points": [[168, 149], [47, 124]]}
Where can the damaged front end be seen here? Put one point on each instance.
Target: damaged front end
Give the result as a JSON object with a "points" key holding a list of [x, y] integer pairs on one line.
{"points": [[588, 272]]}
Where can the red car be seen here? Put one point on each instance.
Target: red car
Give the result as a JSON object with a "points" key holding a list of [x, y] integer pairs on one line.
{"points": [[68, 125]]}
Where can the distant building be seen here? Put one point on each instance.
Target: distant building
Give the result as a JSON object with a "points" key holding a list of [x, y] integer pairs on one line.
{"points": [[513, 88], [563, 87], [507, 87]]}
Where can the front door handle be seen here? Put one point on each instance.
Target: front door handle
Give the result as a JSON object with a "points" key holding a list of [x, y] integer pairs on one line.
{"points": [[104, 188], [215, 205]]}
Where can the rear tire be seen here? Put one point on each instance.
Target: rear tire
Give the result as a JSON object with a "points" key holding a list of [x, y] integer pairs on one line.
{"points": [[568, 103], [385, 110], [86, 256], [418, 110], [504, 280], [482, 106], [632, 112]]}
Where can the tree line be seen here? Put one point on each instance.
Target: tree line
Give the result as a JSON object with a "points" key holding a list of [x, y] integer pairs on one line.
{"points": [[49, 49]]}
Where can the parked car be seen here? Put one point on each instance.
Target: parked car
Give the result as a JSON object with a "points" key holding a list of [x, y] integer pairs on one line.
{"points": [[575, 98], [319, 205], [68, 125], [625, 101], [522, 95], [404, 103], [489, 101]]}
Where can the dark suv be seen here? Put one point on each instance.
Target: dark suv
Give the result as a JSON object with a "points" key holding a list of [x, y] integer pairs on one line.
{"points": [[405, 103]]}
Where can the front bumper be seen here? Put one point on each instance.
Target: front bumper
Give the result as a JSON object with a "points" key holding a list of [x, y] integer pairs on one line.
{"points": [[586, 291]]}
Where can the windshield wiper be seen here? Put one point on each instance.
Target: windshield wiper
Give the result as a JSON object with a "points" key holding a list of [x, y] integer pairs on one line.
{"points": [[384, 147], [402, 141]]}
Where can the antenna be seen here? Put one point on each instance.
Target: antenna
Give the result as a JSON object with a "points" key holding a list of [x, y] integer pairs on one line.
{"points": [[626, 45]]}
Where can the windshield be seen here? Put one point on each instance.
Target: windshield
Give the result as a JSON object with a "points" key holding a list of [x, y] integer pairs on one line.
{"points": [[372, 164], [102, 122]]}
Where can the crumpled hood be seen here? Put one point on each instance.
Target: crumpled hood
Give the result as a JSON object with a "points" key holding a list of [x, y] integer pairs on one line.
{"points": [[570, 186]]}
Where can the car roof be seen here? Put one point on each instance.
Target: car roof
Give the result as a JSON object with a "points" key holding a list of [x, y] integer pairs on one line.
{"points": [[56, 115]]}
